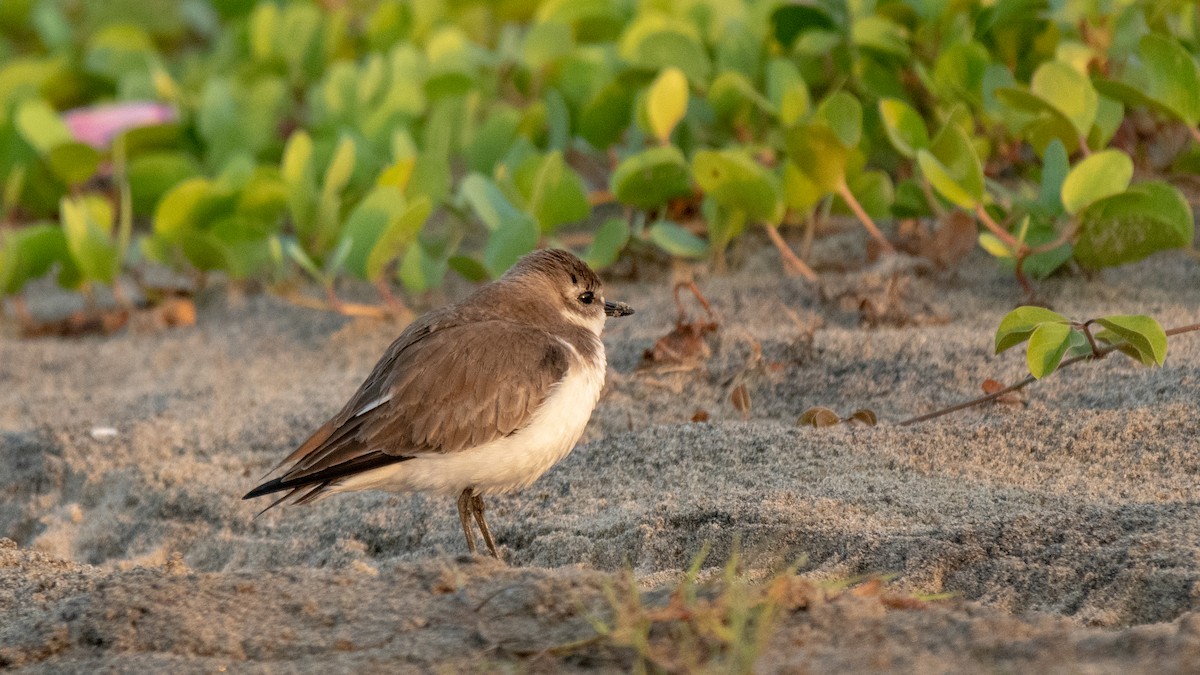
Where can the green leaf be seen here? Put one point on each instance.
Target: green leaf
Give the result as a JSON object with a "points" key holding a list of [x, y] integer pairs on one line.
{"points": [[676, 240], [400, 232], [724, 224], [467, 268], [787, 91], [1143, 333], [1069, 92], [941, 180], [666, 102], [904, 126], [818, 154], [341, 166], [790, 21], [736, 181], [1018, 324], [953, 167], [506, 245], [655, 41], [994, 245], [41, 126], [489, 203], [1100, 175], [556, 195], [28, 253], [607, 115], [493, 139], [366, 223], [296, 165], [732, 96], [1047, 344], [1174, 77], [800, 192], [1055, 166], [420, 270], [73, 162], [843, 113], [874, 192], [153, 174], [882, 35], [87, 223], [607, 244], [1127, 227], [650, 178]]}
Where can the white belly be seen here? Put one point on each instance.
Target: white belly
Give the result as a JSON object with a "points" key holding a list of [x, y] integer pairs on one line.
{"points": [[508, 463]]}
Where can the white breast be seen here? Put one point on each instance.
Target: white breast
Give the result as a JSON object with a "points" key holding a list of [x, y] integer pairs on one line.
{"points": [[508, 463]]}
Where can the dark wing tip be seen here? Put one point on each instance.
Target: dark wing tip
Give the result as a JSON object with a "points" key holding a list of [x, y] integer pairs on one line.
{"points": [[266, 488]]}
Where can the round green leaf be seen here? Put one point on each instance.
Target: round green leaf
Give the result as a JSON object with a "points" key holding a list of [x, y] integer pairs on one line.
{"points": [[819, 155], [506, 245], [1142, 332], [843, 113], [400, 232], [1173, 75], [607, 243], [650, 178], [1047, 344], [1127, 227], [41, 126], [341, 166], [153, 174], [736, 181], [607, 115], [904, 126], [73, 162], [1068, 91], [27, 253], [953, 167], [1018, 324], [676, 240], [941, 180], [1100, 175]]}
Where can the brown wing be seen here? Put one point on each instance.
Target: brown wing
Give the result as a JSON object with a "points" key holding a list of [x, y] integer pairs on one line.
{"points": [[473, 384]]}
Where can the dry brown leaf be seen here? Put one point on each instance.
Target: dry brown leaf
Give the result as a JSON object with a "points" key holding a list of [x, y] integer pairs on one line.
{"points": [[952, 241], [866, 416], [740, 398], [819, 417]]}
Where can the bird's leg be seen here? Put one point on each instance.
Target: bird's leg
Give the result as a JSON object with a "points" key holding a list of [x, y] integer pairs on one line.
{"points": [[465, 506], [477, 509]]}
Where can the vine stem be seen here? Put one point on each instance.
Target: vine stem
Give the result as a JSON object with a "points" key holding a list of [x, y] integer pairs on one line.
{"points": [[790, 260], [1030, 379], [1001, 233], [845, 193]]}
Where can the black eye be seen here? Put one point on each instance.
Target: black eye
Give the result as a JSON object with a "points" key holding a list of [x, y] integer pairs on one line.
{"points": [[587, 297]]}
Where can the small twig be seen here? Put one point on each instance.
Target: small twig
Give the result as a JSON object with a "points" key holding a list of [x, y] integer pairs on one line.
{"points": [[861, 213], [691, 286], [1087, 332], [790, 261], [1004, 235], [1195, 131], [393, 302], [344, 308], [1030, 379], [934, 205]]}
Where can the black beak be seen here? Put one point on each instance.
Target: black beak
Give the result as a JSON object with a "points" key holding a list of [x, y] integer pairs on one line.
{"points": [[617, 308]]}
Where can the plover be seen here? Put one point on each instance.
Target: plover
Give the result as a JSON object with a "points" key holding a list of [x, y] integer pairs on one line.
{"points": [[477, 398]]}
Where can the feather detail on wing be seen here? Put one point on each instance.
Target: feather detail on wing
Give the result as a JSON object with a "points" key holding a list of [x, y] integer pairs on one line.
{"points": [[475, 383]]}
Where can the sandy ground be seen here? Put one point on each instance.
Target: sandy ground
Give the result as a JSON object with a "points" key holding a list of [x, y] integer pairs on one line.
{"points": [[1065, 526]]}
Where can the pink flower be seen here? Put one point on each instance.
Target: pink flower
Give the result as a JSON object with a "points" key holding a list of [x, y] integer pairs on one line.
{"points": [[97, 125]]}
